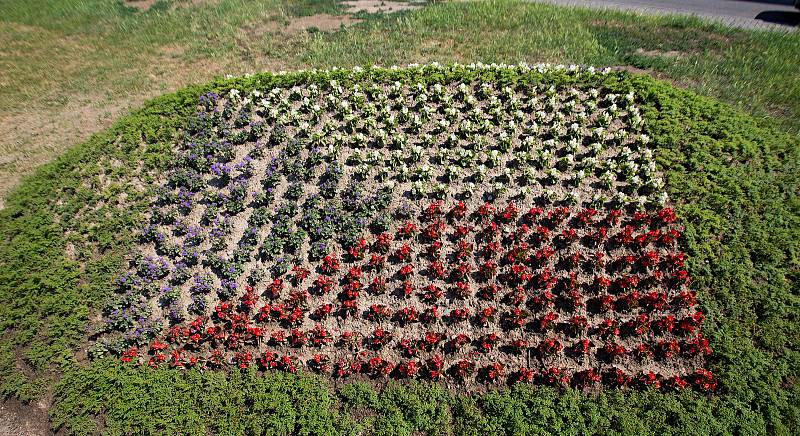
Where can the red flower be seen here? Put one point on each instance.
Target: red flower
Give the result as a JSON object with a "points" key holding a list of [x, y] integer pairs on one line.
{"points": [[357, 251], [549, 347], [587, 377], [461, 270], [555, 377], [547, 322], [434, 209], [434, 250], [297, 338], [377, 263], [431, 340], [515, 318], [697, 346], [458, 315], [463, 250], [155, 346], [463, 369], [487, 342], [676, 382], [430, 315], [703, 380], [462, 290], [275, 288], [129, 355], [378, 285], [668, 349], [408, 315], [319, 336], [436, 269], [649, 379], [406, 270], [379, 338], [543, 300], [665, 324], [489, 292], [569, 235], [378, 312], [330, 264], [533, 214], [434, 366], [431, 293], [689, 324], [382, 242], [323, 311], [578, 324], [485, 211], [491, 249], [243, 359], [249, 299], [458, 341], [403, 253], [666, 216], [586, 216], [407, 347], [642, 351], [510, 213], [612, 350], [268, 361], [524, 375], [618, 377], [685, 299], [434, 230], [581, 347], [492, 372], [350, 307], [408, 369], [323, 284], [458, 210], [319, 363], [378, 366], [406, 288], [613, 216], [518, 345], [486, 315], [407, 230]]}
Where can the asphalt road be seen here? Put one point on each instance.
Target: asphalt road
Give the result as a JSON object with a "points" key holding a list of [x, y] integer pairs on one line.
{"points": [[772, 14]]}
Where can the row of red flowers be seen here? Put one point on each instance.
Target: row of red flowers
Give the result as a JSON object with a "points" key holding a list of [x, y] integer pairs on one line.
{"points": [[434, 368]]}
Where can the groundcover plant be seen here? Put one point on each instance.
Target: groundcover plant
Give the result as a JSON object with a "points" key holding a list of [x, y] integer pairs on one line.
{"points": [[416, 223]]}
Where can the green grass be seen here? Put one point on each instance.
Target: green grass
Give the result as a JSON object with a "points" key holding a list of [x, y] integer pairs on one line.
{"points": [[734, 176]]}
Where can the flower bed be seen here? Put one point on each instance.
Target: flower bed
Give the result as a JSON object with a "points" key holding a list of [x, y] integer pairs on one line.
{"points": [[417, 223]]}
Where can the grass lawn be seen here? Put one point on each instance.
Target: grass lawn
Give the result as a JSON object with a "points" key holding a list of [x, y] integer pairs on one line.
{"points": [[70, 68]]}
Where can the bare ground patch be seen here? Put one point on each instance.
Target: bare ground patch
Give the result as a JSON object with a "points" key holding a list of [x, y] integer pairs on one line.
{"points": [[323, 22], [141, 5], [34, 134], [379, 6], [17, 418]]}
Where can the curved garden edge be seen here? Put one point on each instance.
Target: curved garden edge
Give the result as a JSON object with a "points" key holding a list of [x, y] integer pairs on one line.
{"points": [[735, 182]]}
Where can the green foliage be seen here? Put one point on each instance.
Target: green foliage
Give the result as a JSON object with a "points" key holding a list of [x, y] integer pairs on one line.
{"points": [[733, 179], [47, 290], [193, 402]]}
